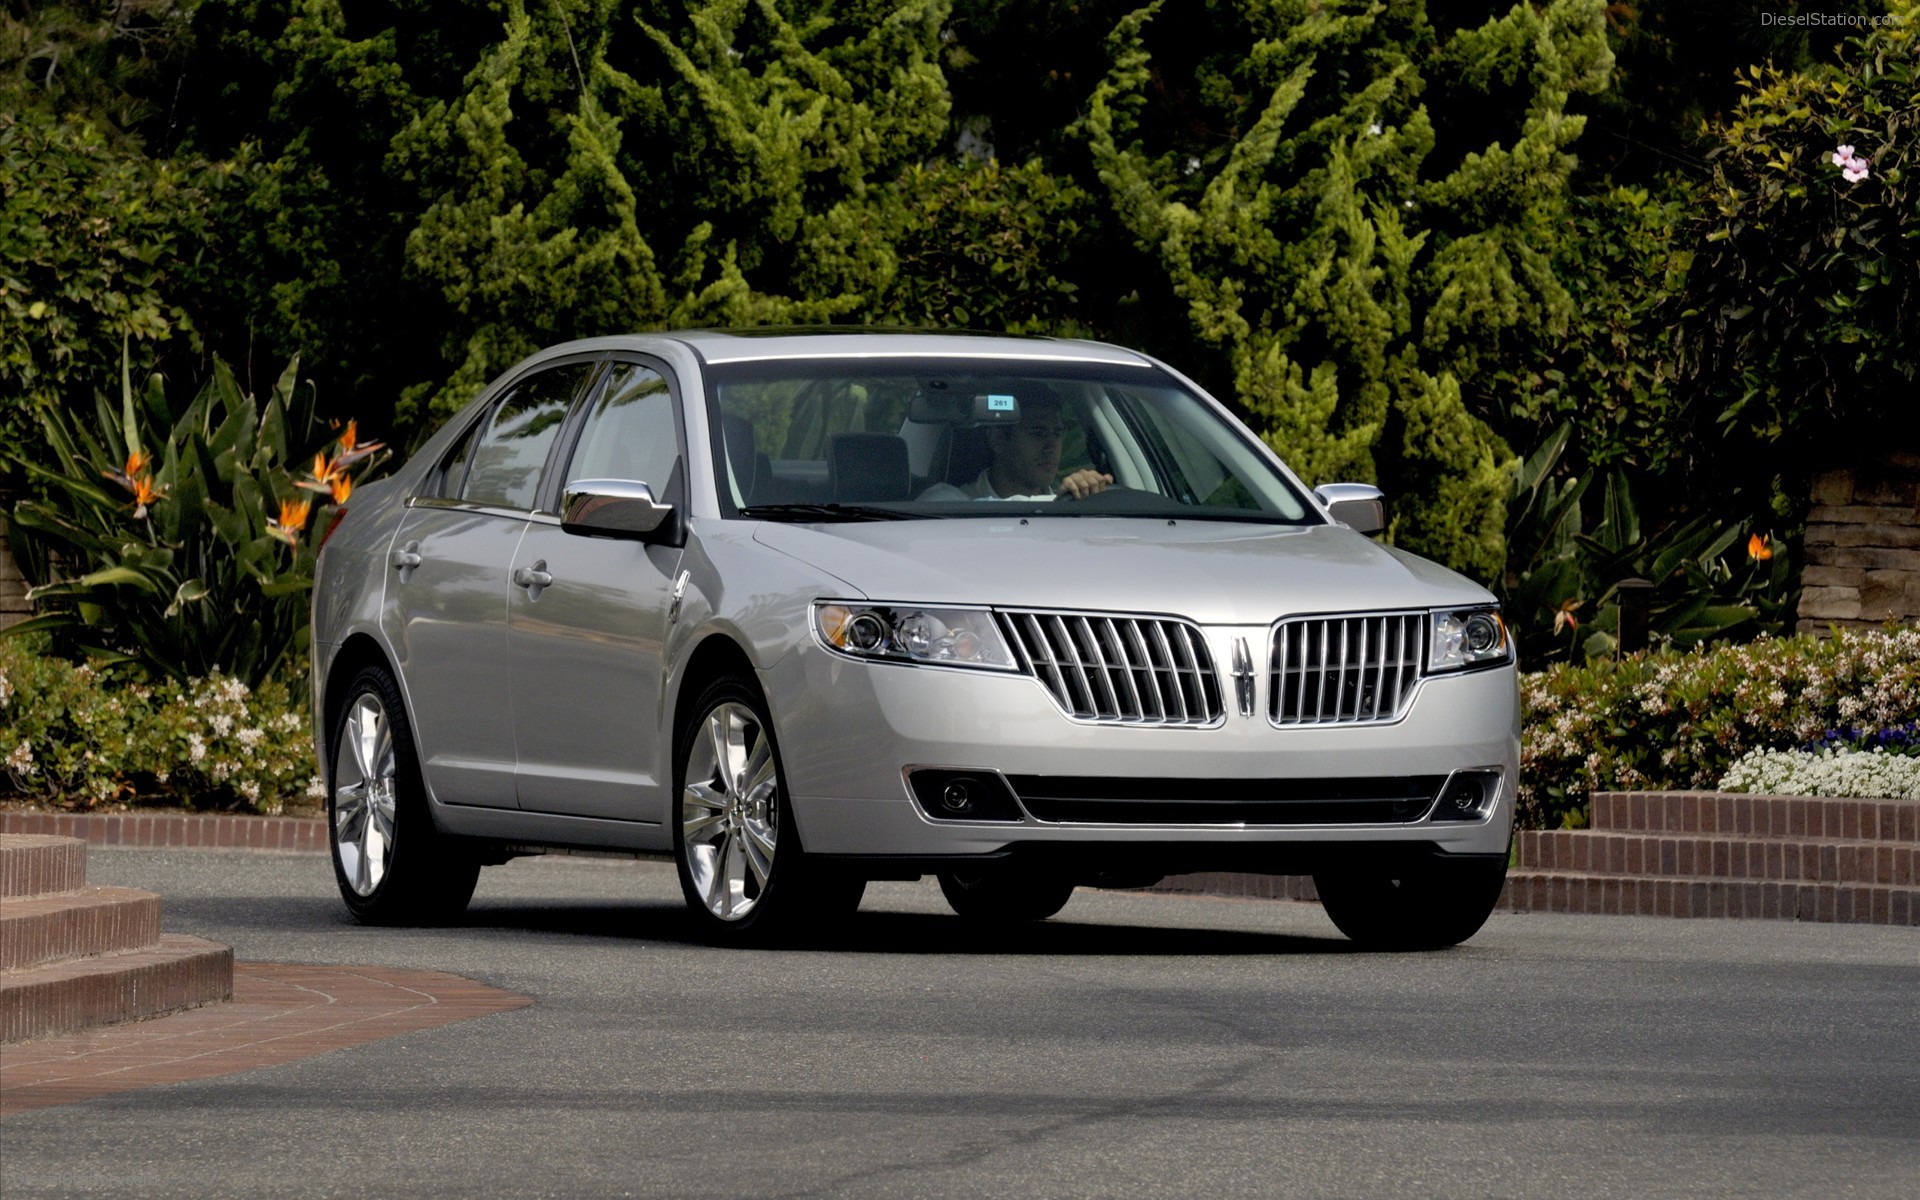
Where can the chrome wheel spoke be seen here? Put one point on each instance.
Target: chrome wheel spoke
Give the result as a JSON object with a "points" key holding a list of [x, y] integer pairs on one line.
{"points": [[758, 850], [759, 769]]}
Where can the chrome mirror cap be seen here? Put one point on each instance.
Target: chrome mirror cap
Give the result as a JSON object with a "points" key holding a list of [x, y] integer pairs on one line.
{"points": [[1360, 506], [620, 508]]}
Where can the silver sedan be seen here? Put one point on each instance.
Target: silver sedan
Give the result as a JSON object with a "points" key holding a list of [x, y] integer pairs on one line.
{"points": [[808, 610]]}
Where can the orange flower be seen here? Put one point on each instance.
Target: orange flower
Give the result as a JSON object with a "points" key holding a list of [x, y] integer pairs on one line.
{"points": [[293, 519], [322, 469], [1759, 549], [341, 487], [351, 451], [1563, 617], [144, 493], [136, 462]]}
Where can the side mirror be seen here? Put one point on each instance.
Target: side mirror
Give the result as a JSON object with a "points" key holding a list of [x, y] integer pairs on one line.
{"points": [[1361, 506], [616, 508]]}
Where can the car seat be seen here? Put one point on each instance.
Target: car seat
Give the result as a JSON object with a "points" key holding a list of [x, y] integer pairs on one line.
{"points": [[863, 468]]}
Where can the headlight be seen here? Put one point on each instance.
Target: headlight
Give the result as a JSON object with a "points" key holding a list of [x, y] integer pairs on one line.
{"points": [[1471, 637], [948, 637]]}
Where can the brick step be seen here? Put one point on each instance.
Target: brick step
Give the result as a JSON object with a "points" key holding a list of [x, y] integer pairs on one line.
{"points": [[1732, 814], [1668, 896], [94, 921], [31, 865], [1700, 855], [55, 998]]}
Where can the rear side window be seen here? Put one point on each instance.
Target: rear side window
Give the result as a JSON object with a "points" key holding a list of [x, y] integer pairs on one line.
{"points": [[509, 458]]}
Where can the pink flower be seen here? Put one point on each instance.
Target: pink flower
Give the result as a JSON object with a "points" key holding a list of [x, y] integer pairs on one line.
{"points": [[1855, 170], [1842, 155]]}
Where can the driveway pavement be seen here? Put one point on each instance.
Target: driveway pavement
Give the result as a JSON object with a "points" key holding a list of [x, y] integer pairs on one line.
{"points": [[1137, 1045]]}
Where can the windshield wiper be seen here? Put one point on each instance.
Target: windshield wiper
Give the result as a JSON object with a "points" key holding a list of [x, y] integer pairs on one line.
{"points": [[826, 512]]}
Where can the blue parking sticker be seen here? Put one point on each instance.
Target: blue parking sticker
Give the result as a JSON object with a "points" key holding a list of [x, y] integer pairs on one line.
{"points": [[1000, 403]]}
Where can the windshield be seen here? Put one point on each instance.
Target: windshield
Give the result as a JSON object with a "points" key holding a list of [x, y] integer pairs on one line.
{"points": [[823, 439]]}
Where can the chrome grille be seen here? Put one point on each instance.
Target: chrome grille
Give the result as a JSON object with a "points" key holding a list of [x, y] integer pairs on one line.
{"points": [[1347, 670], [1119, 669]]}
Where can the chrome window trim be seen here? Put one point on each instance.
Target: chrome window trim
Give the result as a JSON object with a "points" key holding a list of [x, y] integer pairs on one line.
{"points": [[488, 510], [724, 359]]}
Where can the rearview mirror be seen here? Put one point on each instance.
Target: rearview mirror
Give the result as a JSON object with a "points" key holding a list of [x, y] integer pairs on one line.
{"points": [[964, 408], [617, 508], [1360, 506]]}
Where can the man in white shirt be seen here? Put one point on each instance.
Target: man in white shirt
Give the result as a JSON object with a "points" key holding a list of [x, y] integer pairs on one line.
{"points": [[1026, 457]]}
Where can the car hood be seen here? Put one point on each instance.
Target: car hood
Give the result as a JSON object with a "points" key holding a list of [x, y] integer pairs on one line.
{"points": [[1214, 573]]}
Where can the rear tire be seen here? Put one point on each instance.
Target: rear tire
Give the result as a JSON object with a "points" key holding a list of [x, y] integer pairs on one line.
{"points": [[1419, 904], [742, 869], [393, 866], [1004, 898]]}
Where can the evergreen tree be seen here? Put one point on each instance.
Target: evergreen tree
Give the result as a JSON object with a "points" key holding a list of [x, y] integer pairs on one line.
{"points": [[1343, 200]]}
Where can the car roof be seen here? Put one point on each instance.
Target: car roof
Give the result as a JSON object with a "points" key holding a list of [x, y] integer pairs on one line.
{"points": [[755, 345]]}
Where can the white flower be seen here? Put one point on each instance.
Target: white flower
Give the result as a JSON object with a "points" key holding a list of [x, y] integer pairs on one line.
{"points": [[6, 689], [1193, 164], [196, 749], [20, 762], [221, 725], [1870, 774], [250, 790], [1375, 129], [316, 790], [249, 737]]}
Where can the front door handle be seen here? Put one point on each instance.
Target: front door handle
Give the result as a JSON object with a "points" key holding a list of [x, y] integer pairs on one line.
{"points": [[533, 578], [405, 559]]}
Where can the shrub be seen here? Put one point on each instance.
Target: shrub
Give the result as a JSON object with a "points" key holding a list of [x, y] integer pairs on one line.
{"points": [[1667, 719], [1870, 774], [1803, 295], [97, 247], [85, 735], [197, 535]]}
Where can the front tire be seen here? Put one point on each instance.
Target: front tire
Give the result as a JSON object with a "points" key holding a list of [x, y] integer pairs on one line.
{"points": [[1420, 904], [741, 865], [1004, 898], [393, 866]]}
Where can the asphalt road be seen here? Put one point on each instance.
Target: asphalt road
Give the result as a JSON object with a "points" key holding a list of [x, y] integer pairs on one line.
{"points": [[1136, 1045]]}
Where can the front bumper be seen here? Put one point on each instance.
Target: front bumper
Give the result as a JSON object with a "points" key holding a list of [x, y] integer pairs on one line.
{"points": [[849, 731]]}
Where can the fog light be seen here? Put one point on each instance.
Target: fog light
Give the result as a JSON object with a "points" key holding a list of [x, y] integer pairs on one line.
{"points": [[962, 794], [1467, 796], [958, 797]]}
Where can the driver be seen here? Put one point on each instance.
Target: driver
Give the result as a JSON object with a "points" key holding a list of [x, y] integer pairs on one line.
{"points": [[1026, 458]]}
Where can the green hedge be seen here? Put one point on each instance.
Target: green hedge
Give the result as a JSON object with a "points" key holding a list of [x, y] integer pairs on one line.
{"points": [[1679, 720], [76, 736]]}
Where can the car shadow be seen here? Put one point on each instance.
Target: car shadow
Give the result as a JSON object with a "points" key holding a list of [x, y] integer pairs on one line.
{"points": [[899, 933]]}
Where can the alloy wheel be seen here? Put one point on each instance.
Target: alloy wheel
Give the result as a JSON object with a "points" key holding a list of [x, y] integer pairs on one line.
{"points": [[730, 811], [365, 772]]}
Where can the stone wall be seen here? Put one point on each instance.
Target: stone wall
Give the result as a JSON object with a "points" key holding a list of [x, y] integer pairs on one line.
{"points": [[1863, 546]]}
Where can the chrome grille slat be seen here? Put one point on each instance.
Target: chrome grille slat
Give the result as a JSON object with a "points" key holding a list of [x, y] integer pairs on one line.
{"points": [[1116, 669], [1352, 669]]}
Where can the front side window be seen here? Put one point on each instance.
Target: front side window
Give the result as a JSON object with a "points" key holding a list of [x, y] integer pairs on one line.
{"points": [[631, 433], [943, 438], [511, 454]]}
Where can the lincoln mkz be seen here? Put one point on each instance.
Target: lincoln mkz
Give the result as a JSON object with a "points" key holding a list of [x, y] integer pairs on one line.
{"points": [[805, 610]]}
